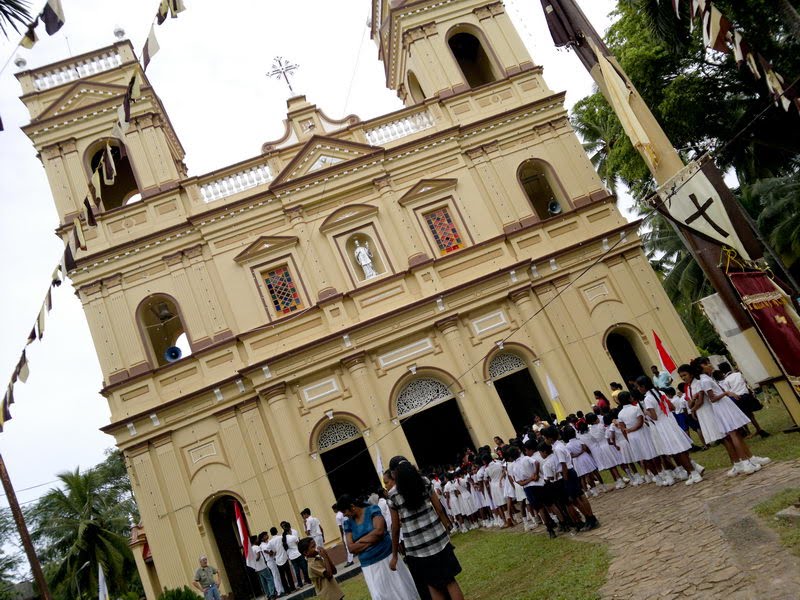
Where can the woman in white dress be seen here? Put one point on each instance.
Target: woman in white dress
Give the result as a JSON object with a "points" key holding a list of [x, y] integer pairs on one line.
{"points": [[494, 477], [702, 391], [603, 455], [631, 421], [451, 494], [668, 437]]}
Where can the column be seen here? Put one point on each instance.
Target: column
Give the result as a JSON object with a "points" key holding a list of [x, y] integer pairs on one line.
{"points": [[290, 442], [320, 275], [205, 290], [124, 320], [63, 194], [400, 221], [485, 424], [498, 45], [195, 322], [491, 190], [556, 362], [105, 343]]}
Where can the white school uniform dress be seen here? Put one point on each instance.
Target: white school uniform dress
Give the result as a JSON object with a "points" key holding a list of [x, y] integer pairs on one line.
{"points": [[340, 518], [477, 497], [315, 530], [465, 497], [615, 434], [455, 504], [551, 468], [508, 487], [641, 445], [486, 496], [729, 416], [602, 454], [494, 473], [705, 415], [582, 460], [679, 404], [668, 436]]}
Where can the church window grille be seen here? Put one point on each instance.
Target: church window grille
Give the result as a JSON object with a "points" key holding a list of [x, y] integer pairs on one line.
{"points": [[420, 394], [504, 364], [444, 230], [282, 290], [337, 433]]}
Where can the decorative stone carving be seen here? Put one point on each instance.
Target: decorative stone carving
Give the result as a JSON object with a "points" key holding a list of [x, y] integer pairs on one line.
{"points": [[420, 393], [504, 364], [337, 433]]}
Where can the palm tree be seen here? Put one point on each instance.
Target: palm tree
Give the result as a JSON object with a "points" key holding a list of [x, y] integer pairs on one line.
{"points": [[79, 524], [777, 201], [8, 562], [13, 13], [600, 131]]}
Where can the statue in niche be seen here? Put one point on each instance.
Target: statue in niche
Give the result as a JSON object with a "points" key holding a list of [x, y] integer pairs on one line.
{"points": [[363, 257]]}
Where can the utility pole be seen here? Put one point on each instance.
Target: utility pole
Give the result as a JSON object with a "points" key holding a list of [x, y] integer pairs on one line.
{"points": [[570, 27], [27, 544]]}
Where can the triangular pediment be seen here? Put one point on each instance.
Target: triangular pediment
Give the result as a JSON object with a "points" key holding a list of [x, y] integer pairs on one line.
{"points": [[428, 187], [80, 95], [347, 215], [264, 246], [320, 153]]}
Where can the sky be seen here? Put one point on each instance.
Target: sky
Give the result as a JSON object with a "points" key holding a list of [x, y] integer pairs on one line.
{"points": [[211, 76]]}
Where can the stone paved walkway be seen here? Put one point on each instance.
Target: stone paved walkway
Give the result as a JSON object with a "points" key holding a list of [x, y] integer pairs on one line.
{"points": [[702, 541]]}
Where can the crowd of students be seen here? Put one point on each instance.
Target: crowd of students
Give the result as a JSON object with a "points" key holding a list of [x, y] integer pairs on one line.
{"points": [[544, 476]]}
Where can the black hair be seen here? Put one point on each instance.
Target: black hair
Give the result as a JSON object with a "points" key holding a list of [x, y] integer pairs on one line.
{"points": [[579, 414], [486, 459], [253, 540], [545, 447], [600, 395], [550, 432], [669, 391], [692, 369], [512, 453], [305, 511], [286, 530], [607, 419], [531, 444], [304, 544], [591, 418], [725, 367], [615, 386], [681, 387], [645, 382], [273, 531], [261, 535], [410, 483], [583, 427], [567, 434], [624, 398]]}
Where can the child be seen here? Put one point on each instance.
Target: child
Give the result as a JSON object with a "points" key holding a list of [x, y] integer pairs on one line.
{"points": [[620, 445], [313, 527], [602, 453], [581, 459], [552, 492], [451, 494], [575, 499], [321, 569]]}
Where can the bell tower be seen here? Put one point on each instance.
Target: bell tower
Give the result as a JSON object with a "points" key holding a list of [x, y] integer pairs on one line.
{"points": [[74, 105], [436, 49]]}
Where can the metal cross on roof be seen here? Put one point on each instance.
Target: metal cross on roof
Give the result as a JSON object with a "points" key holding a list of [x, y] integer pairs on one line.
{"points": [[281, 69]]}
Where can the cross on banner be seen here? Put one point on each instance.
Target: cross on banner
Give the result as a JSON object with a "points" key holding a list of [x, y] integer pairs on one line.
{"points": [[701, 212], [680, 199], [281, 69]]}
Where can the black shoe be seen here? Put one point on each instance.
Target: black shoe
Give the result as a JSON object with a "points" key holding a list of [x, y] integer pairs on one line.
{"points": [[581, 526], [764, 434], [592, 523], [551, 533], [348, 565]]}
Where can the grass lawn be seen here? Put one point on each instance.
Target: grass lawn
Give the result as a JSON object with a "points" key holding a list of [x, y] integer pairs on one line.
{"points": [[522, 566], [789, 531]]}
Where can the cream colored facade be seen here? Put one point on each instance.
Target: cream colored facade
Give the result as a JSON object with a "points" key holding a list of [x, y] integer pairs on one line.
{"points": [[263, 396]]}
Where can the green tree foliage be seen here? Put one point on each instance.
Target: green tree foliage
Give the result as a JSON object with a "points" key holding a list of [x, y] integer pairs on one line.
{"points": [[9, 561], [703, 101], [85, 523], [13, 13], [183, 593]]}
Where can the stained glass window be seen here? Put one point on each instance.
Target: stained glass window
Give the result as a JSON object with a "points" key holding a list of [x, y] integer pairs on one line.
{"points": [[444, 230], [282, 290]]}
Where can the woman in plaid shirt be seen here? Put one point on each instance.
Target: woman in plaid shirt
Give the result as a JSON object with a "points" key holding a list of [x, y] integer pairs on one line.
{"points": [[417, 511]]}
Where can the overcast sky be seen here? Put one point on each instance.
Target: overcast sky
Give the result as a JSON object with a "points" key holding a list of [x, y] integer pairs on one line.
{"points": [[210, 75]]}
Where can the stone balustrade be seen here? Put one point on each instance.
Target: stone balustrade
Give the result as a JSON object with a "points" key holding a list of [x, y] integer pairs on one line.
{"points": [[84, 67], [228, 185], [399, 128]]}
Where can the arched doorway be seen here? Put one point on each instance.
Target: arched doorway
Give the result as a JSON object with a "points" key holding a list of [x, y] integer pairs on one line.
{"points": [[432, 422], [346, 459], [222, 519], [472, 59], [624, 355], [517, 390]]}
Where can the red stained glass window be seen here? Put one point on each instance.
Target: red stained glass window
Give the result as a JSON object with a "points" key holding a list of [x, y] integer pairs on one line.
{"points": [[282, 290], [444, 230]]}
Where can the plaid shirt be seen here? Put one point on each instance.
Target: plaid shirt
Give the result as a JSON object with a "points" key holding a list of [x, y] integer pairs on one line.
{"points": [[423, 532]]}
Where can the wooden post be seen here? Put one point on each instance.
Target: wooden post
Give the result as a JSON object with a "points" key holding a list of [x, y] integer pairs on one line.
{"points": [[36, 568]]}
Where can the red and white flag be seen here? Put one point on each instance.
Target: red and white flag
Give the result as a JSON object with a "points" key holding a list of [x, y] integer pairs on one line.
{"points": [[244, 534], [663, 355]]}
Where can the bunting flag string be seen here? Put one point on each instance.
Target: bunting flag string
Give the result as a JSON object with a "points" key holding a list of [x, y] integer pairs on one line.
{"points": [[721, 35]]}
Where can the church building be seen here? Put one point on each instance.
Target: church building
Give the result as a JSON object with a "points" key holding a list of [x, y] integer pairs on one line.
{"points": [[412, 284]]}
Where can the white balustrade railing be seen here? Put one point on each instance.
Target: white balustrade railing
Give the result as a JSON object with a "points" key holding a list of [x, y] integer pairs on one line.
{"points": [[399, 128], [81, 68], [235, 183]]}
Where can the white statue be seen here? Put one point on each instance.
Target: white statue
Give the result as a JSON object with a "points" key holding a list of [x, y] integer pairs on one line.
{"points": [[364, 259]]}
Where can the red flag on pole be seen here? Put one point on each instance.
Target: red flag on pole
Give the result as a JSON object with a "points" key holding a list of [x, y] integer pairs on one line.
{"points": [[663, 355], [241, 525]]}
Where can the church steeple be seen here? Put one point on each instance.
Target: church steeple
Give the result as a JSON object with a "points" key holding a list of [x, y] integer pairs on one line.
{"points": [[74, 105], [436, 49]]}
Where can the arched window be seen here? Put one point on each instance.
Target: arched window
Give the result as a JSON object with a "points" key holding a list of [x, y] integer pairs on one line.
{"points": [[542, 191], [124, 189], [364, 256], [414, 88], [421, 393], [472, 59], [163, 329], [337, 433]]}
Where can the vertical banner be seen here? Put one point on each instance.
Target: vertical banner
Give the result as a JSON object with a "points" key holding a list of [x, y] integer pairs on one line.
{"points": [[774, 316]]}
